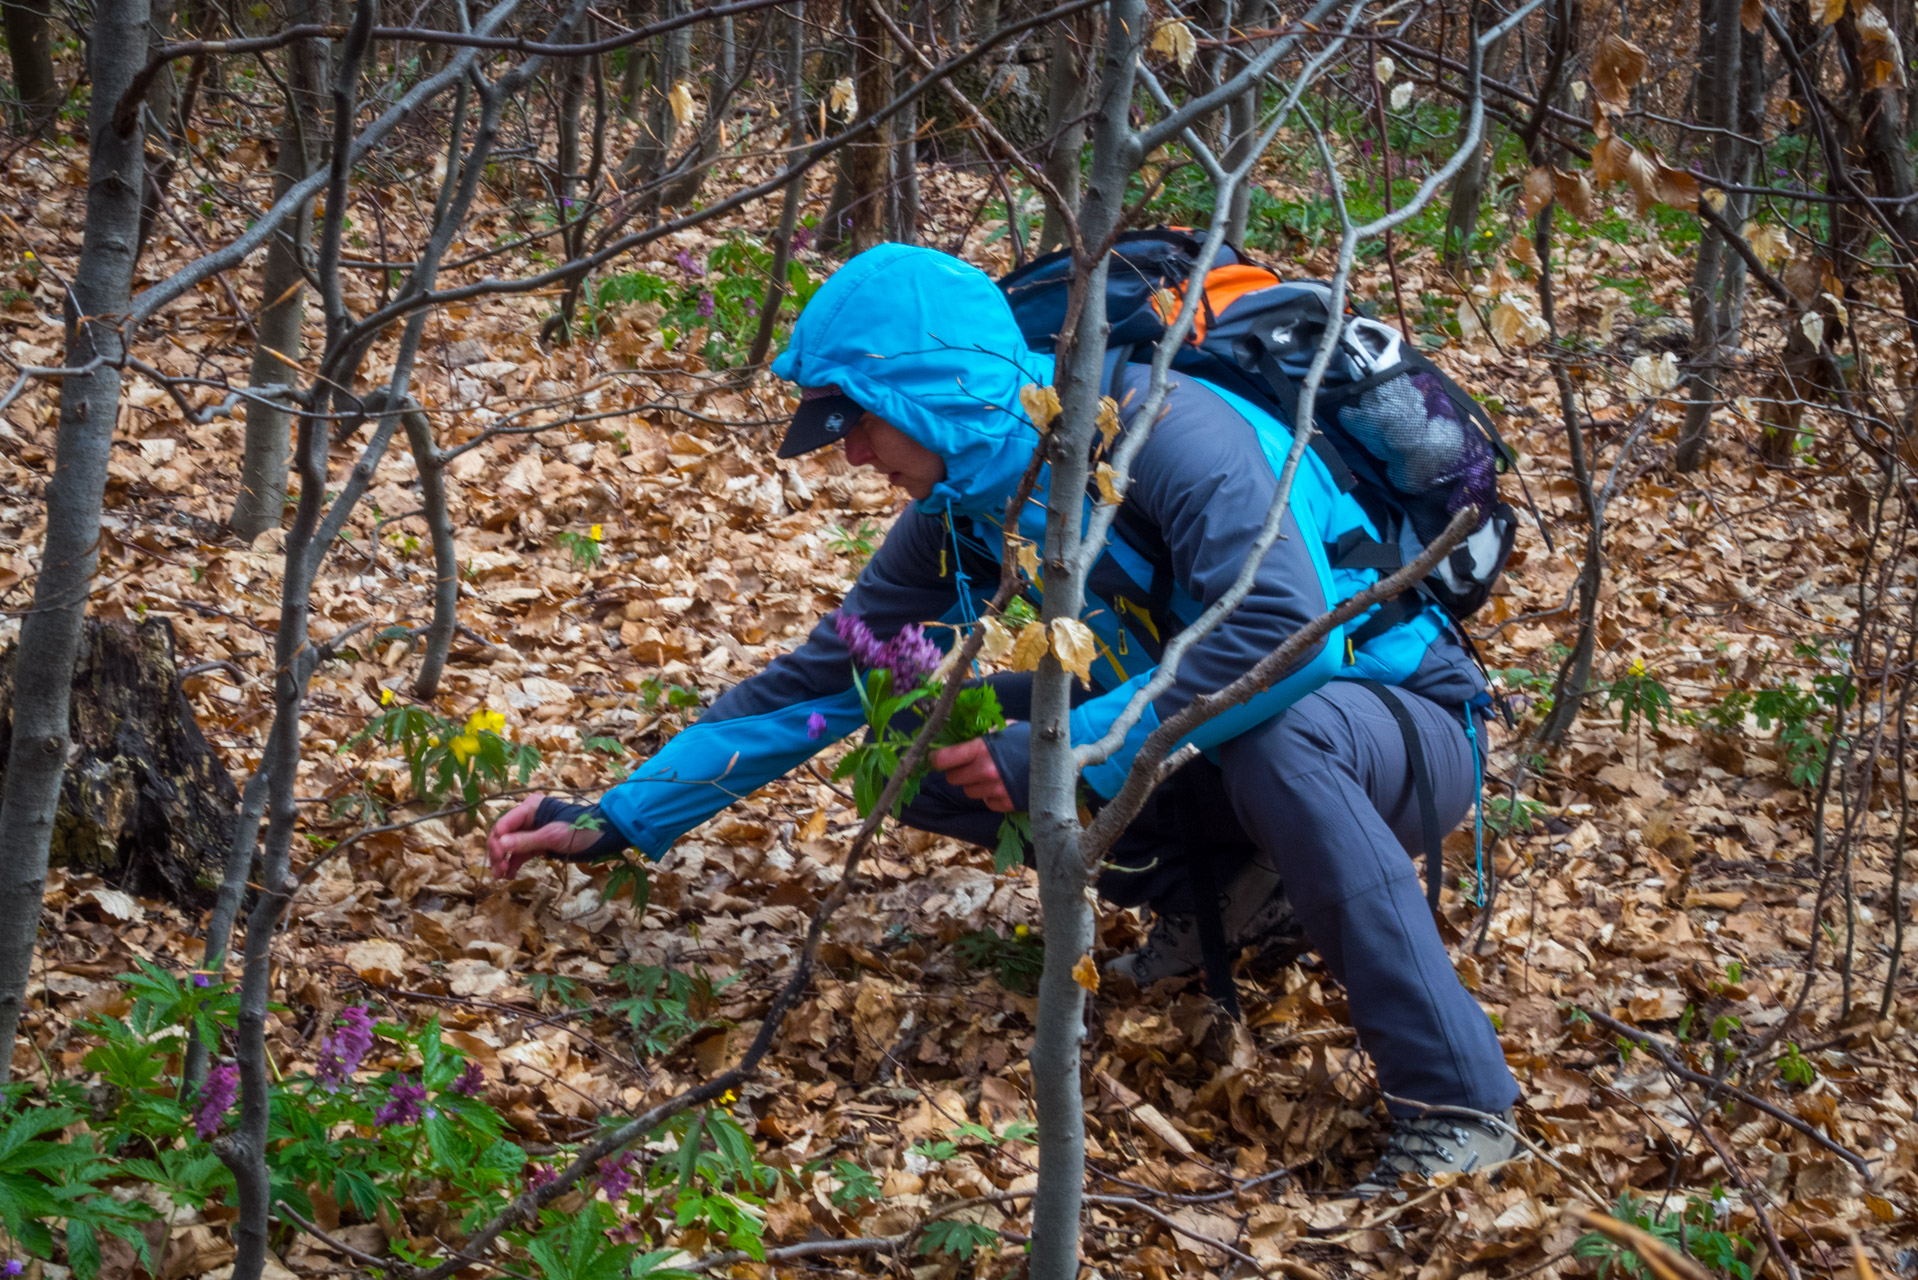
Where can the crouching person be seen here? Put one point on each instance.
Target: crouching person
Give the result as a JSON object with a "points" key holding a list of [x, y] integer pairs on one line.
{"points": [[1299, 815]]}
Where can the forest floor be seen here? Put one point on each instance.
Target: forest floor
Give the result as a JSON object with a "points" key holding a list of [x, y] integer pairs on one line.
{"points": [[1667, 877]]}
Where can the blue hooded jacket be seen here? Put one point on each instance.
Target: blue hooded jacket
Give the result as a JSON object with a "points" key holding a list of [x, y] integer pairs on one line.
{"points": [[929, 344]]}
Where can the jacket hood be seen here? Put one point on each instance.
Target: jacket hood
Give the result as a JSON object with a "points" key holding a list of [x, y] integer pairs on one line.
{"points": [[928, 343]]}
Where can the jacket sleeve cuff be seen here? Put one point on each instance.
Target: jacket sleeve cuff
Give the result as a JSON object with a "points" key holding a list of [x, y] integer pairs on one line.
{"points": [[1011, 750]]}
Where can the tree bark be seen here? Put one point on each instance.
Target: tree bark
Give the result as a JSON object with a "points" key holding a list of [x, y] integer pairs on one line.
{"points": [[1720, 46], [1468, 188], [1065, 122], [795, 192], [681, 190], [89, 406], [870, 169], [261, 503], [30, 46], [1064, 881]]}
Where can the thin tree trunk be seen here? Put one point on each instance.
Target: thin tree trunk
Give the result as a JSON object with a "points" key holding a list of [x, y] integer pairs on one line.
{"points": [[89, 407], [1720, 44], [1242, 127], [905, 168], [1063, 878], [261, 503], [794, 194], [1065, 122], [1468, 187], [870, 170], [31, 49], [683, 189], [646, 161]]}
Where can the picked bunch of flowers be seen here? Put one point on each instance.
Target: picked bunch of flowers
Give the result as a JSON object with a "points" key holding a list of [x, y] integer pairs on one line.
{"points": [[895, 689]]}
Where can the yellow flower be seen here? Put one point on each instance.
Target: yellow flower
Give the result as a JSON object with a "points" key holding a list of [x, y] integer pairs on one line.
{"points": [[485, 721], [30, 257], [1021, 930], [464, 747], [595, 533], [386, 697], [432, 739], [729, 1097], [1638, 666]]}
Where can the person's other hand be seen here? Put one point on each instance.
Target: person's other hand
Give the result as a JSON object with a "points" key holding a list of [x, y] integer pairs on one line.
{"points": [[970, 767], [514, 840]]}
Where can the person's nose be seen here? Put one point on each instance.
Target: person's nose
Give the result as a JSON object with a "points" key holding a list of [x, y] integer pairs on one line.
{"points": [[858, 452]]}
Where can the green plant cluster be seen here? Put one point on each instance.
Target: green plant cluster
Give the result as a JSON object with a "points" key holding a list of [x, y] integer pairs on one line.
{"points": [[1695, 1229], [392, 1116], [444, 756], [715, 303]]}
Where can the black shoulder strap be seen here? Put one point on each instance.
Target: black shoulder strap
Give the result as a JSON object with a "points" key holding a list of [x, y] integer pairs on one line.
{"points": [[1422, 783], [1285, 392]]}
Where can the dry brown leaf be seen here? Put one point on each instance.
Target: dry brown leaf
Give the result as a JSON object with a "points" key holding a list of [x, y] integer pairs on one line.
{"points": [[1041, 404], [1086, 973], [1616, 67], [1538, 190], [1073, 644], [1029, 647], [998, 642], [1107, 480]]}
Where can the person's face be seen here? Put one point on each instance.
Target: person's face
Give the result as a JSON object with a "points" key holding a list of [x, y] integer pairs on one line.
{"points": [[874, 442]]}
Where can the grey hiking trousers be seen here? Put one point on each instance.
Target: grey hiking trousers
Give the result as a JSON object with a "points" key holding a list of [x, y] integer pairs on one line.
{"points": [[1322, 795]]}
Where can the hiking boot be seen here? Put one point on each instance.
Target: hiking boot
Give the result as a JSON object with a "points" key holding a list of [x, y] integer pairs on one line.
{"points": [[1253, 911], [1434, 1144]]}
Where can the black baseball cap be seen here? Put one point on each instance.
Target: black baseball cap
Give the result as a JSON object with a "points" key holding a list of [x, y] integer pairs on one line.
{"points": [[825, 415]]}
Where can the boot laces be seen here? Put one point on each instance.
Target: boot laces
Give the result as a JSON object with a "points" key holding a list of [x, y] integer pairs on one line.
{"points": [[1414, 1143]]}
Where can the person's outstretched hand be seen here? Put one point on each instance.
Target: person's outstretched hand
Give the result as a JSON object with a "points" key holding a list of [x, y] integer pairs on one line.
{"points": [[514, 840], [970, 767]]}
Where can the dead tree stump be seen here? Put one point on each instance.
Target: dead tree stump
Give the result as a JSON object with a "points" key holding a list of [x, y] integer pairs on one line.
{"points": [[145, 803]]}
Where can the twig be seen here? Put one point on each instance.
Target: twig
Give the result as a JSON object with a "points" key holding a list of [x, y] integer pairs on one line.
{"points": [[1665, 1262], [340, 1246], [1664, 1054]]}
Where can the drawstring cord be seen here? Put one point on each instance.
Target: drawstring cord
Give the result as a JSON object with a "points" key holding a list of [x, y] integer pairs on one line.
{"points": [[1478, 806], [961, 582]]}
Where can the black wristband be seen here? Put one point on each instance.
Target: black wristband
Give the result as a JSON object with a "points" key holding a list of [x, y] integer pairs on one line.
{"points": [[610, 842]]}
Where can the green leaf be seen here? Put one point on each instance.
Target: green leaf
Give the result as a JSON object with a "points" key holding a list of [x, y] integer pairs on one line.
{"points": [[1015, 834]]}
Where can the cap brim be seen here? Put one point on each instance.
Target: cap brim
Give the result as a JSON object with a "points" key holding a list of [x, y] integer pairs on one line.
{"points": [[820, 423]]}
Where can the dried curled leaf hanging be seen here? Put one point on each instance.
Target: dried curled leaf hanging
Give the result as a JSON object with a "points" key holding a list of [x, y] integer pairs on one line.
{"points": [[1618, 65], [681, 100], [1175, 40], [1108, 420], [1041, 404], [843, 99], [997, 646], [1107, 480], [1074, 646], [1029, 647]]}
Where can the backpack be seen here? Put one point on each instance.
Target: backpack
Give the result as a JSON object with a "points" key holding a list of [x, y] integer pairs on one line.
{"points": [[1394, 431]]}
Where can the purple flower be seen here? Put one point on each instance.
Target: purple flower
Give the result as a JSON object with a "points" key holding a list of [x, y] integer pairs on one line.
{"points": [[217, 1092], [910, 656], [858, 638], [13, 1267], [616, 1175], [815, 727], [406, 1105], [471, 1081], [802, 239], [705, 305], [202, 980], [342, 1052], [540, 1176], [688, 264]]}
